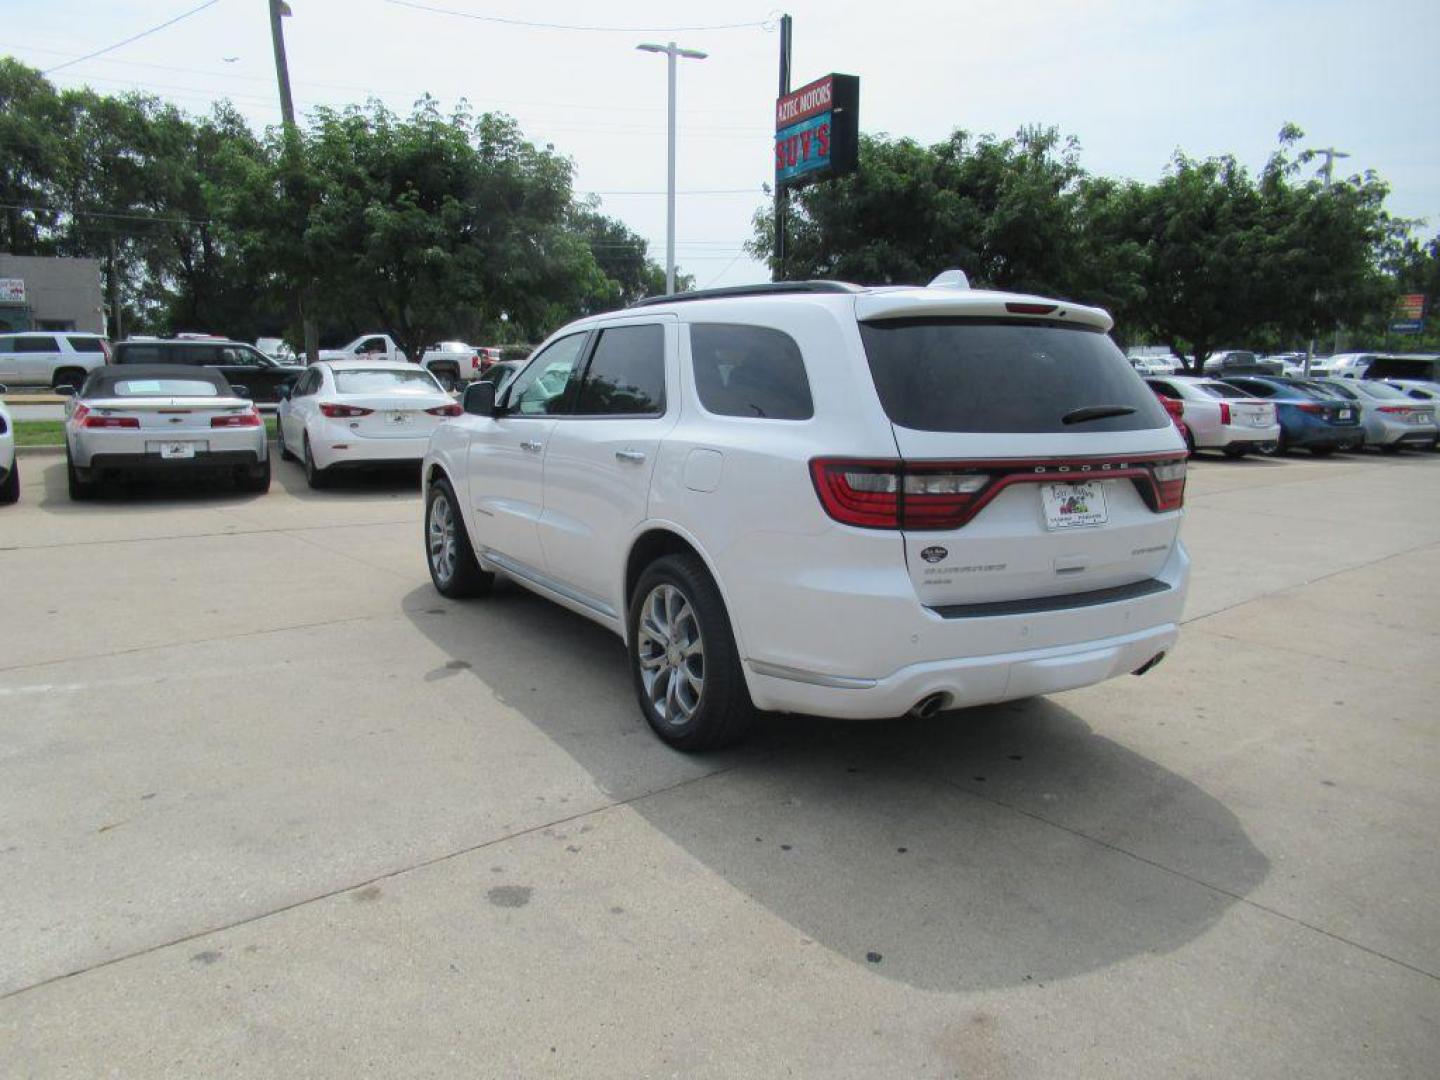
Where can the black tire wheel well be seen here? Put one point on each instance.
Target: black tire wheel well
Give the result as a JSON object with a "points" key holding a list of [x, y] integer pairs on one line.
{"points": [[652, 545]]}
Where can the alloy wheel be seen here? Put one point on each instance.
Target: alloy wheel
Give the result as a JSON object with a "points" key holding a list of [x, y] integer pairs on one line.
{"points": [[440, 538], [671, 654]]}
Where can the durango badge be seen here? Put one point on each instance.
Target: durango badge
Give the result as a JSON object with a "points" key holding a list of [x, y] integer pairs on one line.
{"points": [[934, 554]]}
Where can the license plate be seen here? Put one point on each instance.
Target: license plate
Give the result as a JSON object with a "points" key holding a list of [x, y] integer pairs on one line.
{"points": [[399, 418], [177, 449], [1073, 506], [1345, 414], [1258, 420]]}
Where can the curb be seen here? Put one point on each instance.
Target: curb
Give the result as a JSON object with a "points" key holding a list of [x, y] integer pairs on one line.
{"points": [[33, 399], [39, 451]]}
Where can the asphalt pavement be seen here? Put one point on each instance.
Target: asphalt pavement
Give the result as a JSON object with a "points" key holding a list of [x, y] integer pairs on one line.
{"points": [[270, 806]]}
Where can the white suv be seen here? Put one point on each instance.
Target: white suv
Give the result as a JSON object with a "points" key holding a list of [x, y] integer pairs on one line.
{"points": [[818, 498], [50, 358]]}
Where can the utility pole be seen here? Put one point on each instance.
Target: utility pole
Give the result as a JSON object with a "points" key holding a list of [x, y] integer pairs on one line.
{"points": [[278, 10], [782, 195], [672, 52], [112, 287], [1327, 170]]}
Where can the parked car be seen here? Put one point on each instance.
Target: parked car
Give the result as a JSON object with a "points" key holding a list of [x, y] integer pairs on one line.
{"points": [[278, 350], [368, 347], [162, 418], [1392, 419], [820, 498], [242, 365], [453, 363], [1176, 408], [9, 466], [346, 414], [1420, 390], [1310, 416], [1220, 417], [44, 358], [1423, 367], [1240, 362]]}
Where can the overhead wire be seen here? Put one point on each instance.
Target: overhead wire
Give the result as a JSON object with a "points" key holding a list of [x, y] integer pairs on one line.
{"points": [[133, 37], [531, 24]]}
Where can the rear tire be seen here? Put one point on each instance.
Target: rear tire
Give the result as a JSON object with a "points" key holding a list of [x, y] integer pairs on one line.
{"points": [[1390, 448], [1322, 451], [68, 377], [446, 378], [315, 476], [81, 487], [257, 479], [10, 488], [683, 660], [454, 570], [1236, 452]]}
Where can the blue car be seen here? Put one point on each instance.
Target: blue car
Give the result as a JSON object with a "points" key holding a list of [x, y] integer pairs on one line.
{"points": [[1310, 416]]}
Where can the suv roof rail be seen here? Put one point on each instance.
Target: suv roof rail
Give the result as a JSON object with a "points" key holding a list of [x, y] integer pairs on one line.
{"points": [[768, 288]]}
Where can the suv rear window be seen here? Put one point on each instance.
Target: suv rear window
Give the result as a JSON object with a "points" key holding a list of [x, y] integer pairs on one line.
{"points": [[85, 344], [750, 371], [1003, 375]]}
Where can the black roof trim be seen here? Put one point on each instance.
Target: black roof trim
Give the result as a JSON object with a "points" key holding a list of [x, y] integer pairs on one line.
{"points": [[771, 288]]}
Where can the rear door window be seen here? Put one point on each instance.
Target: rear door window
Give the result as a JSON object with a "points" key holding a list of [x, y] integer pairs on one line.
{"points": [[85, 344], [751, 371], [1004, 375], [36, 345], [626, 373]]}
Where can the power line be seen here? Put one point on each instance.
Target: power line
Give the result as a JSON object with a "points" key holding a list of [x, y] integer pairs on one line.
{"points": [[136, 37], [566, 26]]}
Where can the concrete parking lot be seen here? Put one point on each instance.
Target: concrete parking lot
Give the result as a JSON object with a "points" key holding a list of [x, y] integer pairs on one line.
{"points": [[269, 806]]}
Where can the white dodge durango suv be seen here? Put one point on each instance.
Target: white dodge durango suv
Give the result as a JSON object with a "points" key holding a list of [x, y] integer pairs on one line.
{"points": [[820, 498]]}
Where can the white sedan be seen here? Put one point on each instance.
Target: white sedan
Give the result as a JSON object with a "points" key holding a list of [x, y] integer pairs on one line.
{"points": [[1220, 416], [349, 413], [9, 469]]}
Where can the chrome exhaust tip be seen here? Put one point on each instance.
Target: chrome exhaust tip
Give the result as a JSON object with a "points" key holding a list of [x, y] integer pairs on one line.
{"points": [[929, 705]]}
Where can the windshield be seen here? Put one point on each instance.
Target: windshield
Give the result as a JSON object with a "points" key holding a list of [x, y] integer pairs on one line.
{"points": [[385, 381], [1005, 375]]}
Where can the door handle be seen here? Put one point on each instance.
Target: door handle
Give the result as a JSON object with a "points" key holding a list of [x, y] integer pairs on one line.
{"points": [[531, 445], [630, 455]]}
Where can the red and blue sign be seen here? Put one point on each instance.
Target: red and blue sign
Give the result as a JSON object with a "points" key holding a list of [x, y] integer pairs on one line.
{"points": [[817, 131]]}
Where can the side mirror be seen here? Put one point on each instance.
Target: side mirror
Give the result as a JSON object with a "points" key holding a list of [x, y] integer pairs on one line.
{"points": [[479, 399], [239, 391]]}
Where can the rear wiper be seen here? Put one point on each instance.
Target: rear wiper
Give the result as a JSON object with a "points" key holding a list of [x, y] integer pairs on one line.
{"points": [[1095, 412]]}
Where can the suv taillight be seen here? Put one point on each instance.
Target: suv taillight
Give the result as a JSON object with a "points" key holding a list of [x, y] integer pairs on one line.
{"points": [[927, 496]]}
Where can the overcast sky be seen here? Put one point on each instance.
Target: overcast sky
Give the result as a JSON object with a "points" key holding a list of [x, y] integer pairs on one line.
{"points": [[1132, 79]]}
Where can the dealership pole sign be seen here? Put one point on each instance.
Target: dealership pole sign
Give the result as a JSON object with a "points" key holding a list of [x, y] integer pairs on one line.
{"points": [[1409, 314], [817, 131]]}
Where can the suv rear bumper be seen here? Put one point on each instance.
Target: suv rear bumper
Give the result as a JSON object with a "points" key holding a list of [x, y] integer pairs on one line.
{"points": [[979, 680]]}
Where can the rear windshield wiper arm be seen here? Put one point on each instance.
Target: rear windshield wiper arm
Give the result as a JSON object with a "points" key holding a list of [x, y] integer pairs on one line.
{"points": [[1095, 412]]}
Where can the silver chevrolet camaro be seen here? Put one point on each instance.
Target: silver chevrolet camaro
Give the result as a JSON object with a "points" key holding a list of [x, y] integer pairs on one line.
{"points": [[162, 418]]}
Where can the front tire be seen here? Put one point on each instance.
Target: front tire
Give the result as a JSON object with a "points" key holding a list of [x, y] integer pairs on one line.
{"points": [[454, 570], [683, 660], [10, 488]]}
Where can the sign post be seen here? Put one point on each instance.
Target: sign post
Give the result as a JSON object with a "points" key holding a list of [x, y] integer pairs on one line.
{"points": [[817, 131], [782, 197]]}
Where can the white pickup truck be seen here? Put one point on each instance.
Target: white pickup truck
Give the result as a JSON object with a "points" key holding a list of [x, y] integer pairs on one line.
{"points": [[367, 347], [446, 368]]}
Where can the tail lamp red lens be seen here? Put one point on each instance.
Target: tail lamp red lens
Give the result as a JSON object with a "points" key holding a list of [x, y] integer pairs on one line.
{"points": [[88, 419], [475, 362], [1311, 408], [1397, 409], [248, 418], [888, 494], [1174, 406], [1224, 412], [342, 412], [445, 410]]}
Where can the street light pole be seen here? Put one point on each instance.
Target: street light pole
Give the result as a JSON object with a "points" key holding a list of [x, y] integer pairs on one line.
{"points": [[1327, 170], [672, 53], [279, 9]]}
